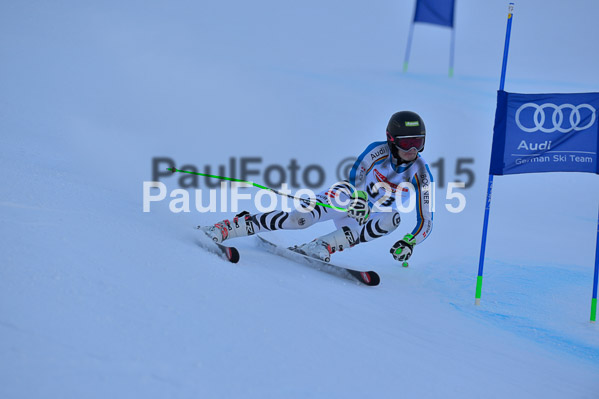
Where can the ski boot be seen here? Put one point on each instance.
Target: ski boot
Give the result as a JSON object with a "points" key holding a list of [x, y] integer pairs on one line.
{"points": [[322, 247], [240, 226]]}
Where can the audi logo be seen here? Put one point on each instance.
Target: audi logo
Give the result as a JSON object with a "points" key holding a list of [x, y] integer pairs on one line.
{"points": [[557, 117]]}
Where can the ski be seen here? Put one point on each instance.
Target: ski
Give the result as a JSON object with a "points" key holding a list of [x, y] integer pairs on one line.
{"points": [[225, 252], [369, 278]]}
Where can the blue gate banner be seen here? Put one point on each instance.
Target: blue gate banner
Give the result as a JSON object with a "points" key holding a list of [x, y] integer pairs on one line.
{"points": [[438, 12], [545, 133]]}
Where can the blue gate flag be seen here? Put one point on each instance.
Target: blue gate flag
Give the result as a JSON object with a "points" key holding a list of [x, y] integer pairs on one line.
{"points": [[438, 12], [545, 133]]}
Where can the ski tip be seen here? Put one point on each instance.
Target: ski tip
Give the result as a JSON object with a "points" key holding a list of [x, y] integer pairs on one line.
{"points": [[370, 278], [233, 254]]}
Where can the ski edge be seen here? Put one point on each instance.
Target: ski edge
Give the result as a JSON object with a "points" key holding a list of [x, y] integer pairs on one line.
{"points": [[369, 278]]}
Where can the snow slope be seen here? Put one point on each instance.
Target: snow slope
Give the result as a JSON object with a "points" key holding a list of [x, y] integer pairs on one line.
{"points": [[99, 299]]}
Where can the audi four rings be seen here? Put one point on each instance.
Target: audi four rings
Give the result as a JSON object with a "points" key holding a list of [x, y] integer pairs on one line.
{"points": [[557, 117]]}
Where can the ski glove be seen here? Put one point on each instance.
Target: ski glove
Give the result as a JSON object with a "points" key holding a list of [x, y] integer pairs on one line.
{"points": [[359, 208], [402, 249]]}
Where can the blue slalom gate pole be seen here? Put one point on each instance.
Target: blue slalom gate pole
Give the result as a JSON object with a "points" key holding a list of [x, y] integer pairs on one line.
{"points": [[594, 299], [452, 51], [479, 278], [481, 261], [409, 45], [506, 47], [408, 48]]}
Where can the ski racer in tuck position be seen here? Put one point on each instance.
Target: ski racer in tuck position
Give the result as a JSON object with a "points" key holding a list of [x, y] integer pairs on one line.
{"points": [[372, 191]]}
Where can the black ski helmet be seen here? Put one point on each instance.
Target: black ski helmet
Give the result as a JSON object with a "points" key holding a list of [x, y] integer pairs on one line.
{"points": [[401, 124]]}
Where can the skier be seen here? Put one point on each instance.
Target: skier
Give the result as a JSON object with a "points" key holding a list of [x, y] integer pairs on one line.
{"points": [[371, 193]]}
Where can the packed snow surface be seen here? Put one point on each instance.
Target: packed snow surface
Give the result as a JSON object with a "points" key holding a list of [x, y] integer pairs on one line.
{"points": [[99, 299]]}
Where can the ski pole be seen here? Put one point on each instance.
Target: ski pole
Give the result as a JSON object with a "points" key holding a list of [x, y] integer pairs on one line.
{"points": [[303, 200]]}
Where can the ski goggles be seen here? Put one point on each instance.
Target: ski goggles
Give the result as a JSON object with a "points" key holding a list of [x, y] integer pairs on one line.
{"points": [[406, 143]]}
